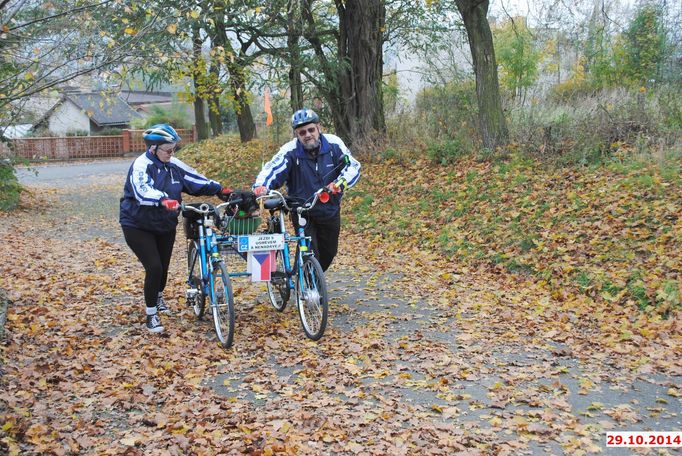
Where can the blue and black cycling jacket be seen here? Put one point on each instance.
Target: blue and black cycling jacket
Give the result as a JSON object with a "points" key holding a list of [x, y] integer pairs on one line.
{"points": [[149, 181], [304, 174]]}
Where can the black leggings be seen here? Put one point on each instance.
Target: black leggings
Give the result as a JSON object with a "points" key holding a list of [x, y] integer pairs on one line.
{"points": [[154, 252], [324, 235]]}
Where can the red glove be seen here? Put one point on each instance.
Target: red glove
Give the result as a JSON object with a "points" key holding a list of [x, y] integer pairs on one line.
{"points": [[224, 194], [334, 188], [260, 191], [171, 205]]}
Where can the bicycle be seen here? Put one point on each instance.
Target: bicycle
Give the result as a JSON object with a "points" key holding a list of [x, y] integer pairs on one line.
{"points": [[207, 275], [304, 275]]}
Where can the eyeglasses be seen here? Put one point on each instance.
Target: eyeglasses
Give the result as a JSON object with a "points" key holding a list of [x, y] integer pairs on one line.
{"points": [[303, 131], [168, 149]]}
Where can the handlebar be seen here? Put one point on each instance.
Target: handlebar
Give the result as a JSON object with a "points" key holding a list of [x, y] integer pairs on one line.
{"points": [[205, 208], [322, 195]]}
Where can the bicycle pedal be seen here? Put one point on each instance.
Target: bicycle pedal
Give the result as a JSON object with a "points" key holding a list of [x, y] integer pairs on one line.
{"points": [[191, 293]]}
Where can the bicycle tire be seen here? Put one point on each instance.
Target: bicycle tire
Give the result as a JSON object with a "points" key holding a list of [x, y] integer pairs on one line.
{"points": [[222, 305], [198, 303], [312, 302], [278, 286]]}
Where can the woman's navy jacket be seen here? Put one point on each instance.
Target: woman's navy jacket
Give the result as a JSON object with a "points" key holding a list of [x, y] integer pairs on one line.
{"points": [[149, 181]]}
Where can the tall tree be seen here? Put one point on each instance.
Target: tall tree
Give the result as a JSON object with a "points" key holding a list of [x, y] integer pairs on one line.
{"points": [[198, 77], [493, 125], [645, 45], [45, 44], [352, 84], [517, 57], [294, 34]]}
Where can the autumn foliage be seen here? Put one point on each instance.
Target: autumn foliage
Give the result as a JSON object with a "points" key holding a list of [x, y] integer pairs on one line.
{"points": [[484, 308], [609, 232]]}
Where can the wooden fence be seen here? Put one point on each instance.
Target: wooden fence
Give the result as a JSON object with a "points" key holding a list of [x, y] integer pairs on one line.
{"points": [[82, 147]]}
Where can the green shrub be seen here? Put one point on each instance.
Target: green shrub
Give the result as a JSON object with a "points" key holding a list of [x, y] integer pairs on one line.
{"points": [[445, 111], [109, 132], [9, 186], [590, 128], [77, 133], [176, 115], [450, 150]]}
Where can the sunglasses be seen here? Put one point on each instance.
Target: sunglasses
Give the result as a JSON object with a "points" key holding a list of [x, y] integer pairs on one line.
{"points": [[303, 131]]}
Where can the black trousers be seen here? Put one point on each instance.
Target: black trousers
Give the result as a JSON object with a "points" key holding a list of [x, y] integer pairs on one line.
{"points": [[154, 252], [324, 235]]}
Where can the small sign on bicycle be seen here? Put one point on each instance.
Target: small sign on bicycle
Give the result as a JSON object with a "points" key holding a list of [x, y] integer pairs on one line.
{"points": [[260, 242]]}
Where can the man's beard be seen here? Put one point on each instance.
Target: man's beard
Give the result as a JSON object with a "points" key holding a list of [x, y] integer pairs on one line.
{"points": [[312, 146]]}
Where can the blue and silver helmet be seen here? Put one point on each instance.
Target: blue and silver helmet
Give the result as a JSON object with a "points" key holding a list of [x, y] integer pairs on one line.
{"points": [[302, 117], [160, 134]]}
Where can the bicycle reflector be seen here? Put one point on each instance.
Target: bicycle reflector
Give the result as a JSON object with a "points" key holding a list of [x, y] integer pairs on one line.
{"points": [[324, 197]]}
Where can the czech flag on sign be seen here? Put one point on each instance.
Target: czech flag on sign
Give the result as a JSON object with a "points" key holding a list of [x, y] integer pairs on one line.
{"points": [[260, 265]]}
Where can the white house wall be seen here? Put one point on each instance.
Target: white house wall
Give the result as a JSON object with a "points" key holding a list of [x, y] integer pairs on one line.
{"points": [[68, 118]]}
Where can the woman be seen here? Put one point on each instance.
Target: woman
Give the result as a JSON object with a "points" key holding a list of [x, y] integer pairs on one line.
{"points": [[149, 210]]}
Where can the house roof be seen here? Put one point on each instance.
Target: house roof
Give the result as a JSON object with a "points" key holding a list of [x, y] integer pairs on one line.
{"points": [[15, 131], [137, 97], [101, 108]]}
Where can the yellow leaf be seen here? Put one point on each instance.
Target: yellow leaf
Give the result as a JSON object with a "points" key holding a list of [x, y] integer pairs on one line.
{"points": [[129, 31], [437, 408], [130, 441], [7, 426], [674, 392], [194, 14]]}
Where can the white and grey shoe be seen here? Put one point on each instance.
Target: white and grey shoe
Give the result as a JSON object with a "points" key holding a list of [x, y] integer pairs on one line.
{"points": [[154, 323]]}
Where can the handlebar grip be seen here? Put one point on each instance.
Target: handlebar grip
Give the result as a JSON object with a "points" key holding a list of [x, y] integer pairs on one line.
{"points": [[324, 196]]}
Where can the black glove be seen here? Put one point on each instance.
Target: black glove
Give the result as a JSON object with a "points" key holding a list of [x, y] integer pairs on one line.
{"points": [[247, 202]]}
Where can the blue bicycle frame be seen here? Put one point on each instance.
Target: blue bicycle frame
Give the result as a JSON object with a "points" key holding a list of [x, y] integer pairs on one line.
{"points": [[213, 282]]}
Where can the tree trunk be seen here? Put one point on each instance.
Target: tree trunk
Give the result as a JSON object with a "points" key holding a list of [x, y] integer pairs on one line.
{"points": [[199, 106], [247, 127], [360, 97], [352, 84], [214, 105], [491, 117], [235, 67], [293, 38]]}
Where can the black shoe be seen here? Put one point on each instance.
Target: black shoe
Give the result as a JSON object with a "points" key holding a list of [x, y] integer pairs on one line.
{"points": [[161, 305], [154, 323]]}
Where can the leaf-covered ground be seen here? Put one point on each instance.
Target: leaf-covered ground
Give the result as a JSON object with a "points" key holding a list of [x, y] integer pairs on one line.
{"points": [[447, 334]]}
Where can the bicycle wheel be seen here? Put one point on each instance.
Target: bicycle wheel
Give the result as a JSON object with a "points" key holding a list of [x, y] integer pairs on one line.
{"points": [[278, 286], [198, 302], [222, 304], [311, 298]]}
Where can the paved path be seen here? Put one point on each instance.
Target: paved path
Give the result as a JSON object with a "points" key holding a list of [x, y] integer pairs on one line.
{"points": [[419, 349], [66, 175]]}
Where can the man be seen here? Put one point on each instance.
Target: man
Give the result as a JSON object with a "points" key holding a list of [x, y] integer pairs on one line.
{"points": [[307, 163]]}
